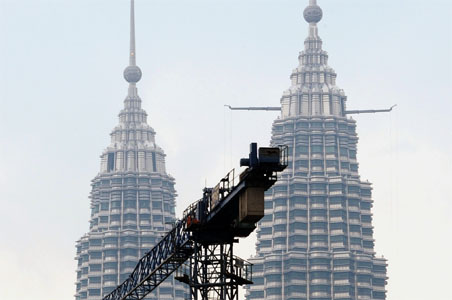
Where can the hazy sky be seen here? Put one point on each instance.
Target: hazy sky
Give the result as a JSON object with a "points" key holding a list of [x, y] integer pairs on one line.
{"points": [[61, 88]]}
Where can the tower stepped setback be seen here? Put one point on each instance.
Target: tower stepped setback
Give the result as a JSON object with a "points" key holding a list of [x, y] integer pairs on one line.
{"points": [[316, 239], [132, 201]]}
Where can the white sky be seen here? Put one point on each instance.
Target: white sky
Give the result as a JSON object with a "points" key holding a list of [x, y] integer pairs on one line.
{"points": [[61, 89]]}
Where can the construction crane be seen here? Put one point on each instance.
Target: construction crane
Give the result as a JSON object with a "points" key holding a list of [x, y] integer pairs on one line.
{"points": [[347, 112], [206, 234]]}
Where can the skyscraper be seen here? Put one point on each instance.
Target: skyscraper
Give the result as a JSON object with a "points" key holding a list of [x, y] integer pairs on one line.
{"points": [[316, 239], [132, 201]]}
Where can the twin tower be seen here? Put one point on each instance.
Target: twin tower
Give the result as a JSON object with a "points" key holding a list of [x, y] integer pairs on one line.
{"points": [[316, 239]]}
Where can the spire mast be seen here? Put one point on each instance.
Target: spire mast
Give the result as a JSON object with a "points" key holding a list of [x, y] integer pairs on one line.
{"points": [[132, 61], [132, 73]]}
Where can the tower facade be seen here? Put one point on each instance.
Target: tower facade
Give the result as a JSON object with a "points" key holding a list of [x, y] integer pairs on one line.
{"points": [[132, 201], [316, 239]]}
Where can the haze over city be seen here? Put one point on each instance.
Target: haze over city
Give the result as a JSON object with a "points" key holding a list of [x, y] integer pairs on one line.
{"points": [[61, 88]]}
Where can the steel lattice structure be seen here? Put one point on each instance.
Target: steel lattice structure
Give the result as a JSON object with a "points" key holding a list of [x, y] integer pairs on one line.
{"points": [[215, 273], [157, 265]]}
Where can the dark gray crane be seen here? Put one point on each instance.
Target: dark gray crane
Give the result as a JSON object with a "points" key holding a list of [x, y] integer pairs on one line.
{"points": [[206, 234]]}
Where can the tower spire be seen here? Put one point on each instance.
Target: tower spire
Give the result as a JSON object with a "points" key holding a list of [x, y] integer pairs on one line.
{"points": [[132, 73], [132, 61]]}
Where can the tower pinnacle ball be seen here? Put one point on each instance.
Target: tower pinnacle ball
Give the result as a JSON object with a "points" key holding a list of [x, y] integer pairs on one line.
{"points": [[313, 14], [132, 74]]}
